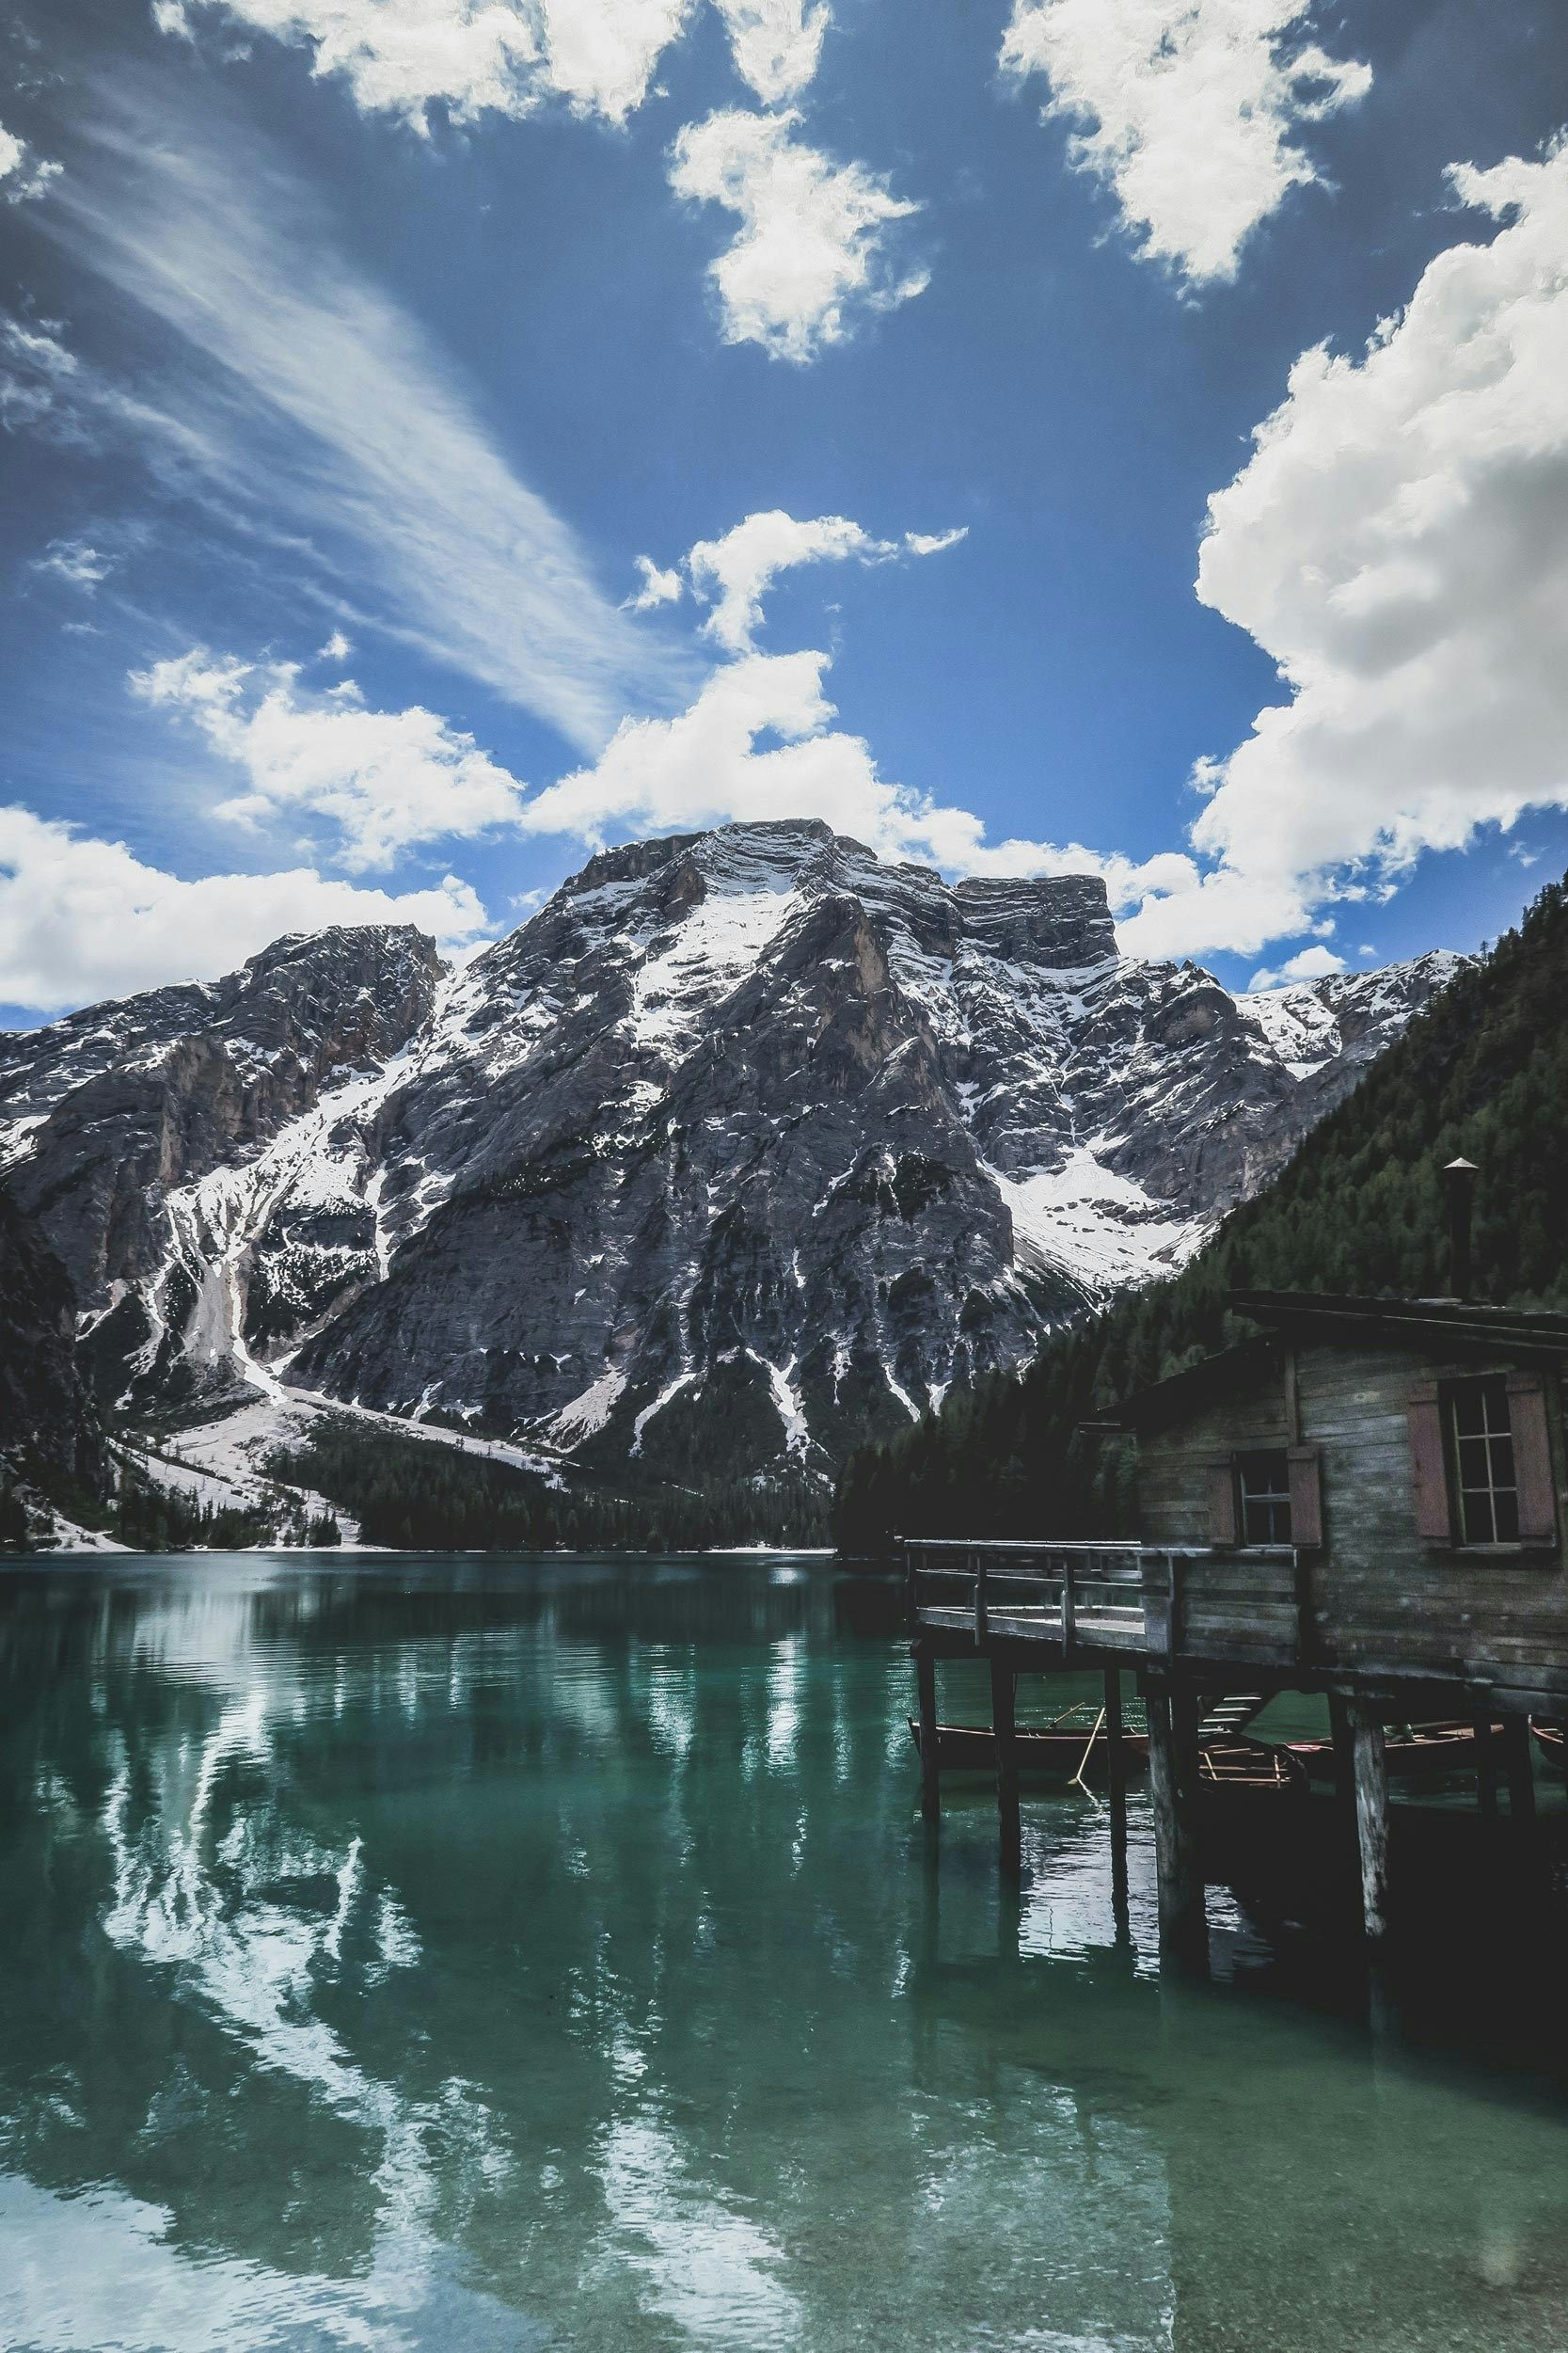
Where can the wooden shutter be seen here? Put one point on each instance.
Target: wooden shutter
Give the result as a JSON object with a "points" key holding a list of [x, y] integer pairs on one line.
{"points": [[1220, 1478], [1307, 1496], [1533, 1457], [1428, 1467]]}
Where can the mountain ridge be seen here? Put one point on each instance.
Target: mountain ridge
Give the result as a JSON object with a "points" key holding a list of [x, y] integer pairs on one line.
{"points": [[744, 1145]]}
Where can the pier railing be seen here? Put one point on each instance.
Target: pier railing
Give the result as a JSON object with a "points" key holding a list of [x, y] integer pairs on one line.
{"points": [[1086, 1600]]}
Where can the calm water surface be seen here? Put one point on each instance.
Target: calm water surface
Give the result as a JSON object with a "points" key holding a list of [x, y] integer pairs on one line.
{"points": [[505, 1953]]}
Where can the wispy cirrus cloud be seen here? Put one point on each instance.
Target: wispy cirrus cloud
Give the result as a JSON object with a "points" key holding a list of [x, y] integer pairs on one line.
{"points": [[814, 252], [1190, 109], [303, 391], [76, 562]]}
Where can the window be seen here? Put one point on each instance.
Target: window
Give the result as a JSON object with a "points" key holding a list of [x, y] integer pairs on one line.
{"points": [[1264, 1483], [1480, 1454]]}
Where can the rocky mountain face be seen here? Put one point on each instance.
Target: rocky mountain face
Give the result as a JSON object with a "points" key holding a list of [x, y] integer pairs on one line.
{"points": [[745, 1146], [47, 1423]]}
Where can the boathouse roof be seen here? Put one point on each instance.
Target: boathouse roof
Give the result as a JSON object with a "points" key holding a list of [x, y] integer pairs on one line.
{"points": [[1455, 1324], [1451, 1327]]}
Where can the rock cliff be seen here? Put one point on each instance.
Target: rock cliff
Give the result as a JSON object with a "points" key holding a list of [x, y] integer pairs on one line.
{"points": [[745, 1146]]}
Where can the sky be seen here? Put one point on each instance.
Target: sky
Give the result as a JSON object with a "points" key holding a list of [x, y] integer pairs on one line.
{"points": [[444, 436]]}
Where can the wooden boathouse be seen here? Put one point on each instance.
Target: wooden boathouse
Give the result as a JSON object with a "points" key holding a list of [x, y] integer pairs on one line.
{"points": [[1367, 1500]]}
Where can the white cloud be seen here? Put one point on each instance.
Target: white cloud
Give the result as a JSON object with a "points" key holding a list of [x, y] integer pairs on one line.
{"points": [[704, 768], [659, 588], [314, 405], [386, 780], [22, 174], [1189, 108], [734, 572], [934, 543], [471, 57], [1398, 543], [82, 919], [776, 45], [36, 375], [1314, 963], [76, 562], [336, 649], [811, 247], [474, 57]]}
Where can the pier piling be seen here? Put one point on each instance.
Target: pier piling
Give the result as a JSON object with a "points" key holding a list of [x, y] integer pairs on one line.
{"points": [[1518, 1763], [1004, 1717], [1172, 1784], [930, 1767], [1372, 1819]]}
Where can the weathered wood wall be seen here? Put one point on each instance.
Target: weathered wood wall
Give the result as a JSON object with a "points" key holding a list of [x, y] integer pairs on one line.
{"points": [[1376, 1597]]}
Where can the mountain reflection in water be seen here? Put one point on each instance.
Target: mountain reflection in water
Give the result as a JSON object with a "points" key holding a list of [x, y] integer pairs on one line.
{"points": [[479, 1952]]}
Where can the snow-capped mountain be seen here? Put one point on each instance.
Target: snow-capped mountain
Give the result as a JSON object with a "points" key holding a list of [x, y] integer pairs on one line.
{"points": [[746, 1145]]}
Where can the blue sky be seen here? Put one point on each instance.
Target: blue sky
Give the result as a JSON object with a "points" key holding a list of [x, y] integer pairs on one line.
{"points": [[355, 352]]}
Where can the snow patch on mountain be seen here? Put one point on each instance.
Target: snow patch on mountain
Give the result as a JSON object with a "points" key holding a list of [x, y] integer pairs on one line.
{"points": [[1099, 1228], [787, 1142]]}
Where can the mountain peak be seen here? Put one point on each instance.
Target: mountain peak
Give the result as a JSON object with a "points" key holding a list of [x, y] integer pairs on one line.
{"points": [[746, 1145]]}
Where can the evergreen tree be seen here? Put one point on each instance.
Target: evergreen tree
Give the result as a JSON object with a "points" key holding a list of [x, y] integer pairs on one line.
{"points": [[1482, 1071]]}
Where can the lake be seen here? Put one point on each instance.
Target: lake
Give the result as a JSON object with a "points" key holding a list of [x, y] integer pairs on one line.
{"points": [[407, 1952]]}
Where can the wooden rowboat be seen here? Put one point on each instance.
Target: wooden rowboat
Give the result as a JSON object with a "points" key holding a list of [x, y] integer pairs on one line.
{"points": [[1549, 1737], [1229, 1763], [1233, 1762], [1042, 1748], [1414, 1752]]}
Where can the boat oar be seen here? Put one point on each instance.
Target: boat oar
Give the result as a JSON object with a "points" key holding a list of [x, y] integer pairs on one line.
{"points": [[1094, 1736]]}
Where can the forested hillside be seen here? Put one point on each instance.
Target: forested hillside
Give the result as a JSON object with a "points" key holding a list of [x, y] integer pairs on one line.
{"points": [[1483, 1072]]}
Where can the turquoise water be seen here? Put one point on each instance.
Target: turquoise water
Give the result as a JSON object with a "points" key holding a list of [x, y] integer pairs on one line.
{"points": [[492, 1953]]}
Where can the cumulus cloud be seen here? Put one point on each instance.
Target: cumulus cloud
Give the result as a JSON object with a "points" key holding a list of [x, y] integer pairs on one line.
{"points": [[83, 918], [734, 572], [706, 768], [1314, 963], [385, 780], [471, 57], [76, 562], [22, 174], [812, 250], [313, 405], [776, 45], [659, 588], [1398, 543], [1188, 108], [596, 57]]}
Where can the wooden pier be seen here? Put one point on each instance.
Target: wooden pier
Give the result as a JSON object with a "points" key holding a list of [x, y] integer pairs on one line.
{"points": [[1366, 1503]]}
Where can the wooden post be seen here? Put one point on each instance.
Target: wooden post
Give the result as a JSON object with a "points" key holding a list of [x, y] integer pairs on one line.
{"points": [[1520, 1768], [1486, 1766], [1070, 1611], [1115, 1762], [930, 1767], [1004, 1730], [981, 1625], [1344, 1755], [1172, 1726], [1116, 1755], [1372, 1819]]}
